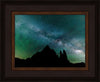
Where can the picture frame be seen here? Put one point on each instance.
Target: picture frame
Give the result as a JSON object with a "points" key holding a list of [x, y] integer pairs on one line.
{"points": [[90, 75], [49, 13]]}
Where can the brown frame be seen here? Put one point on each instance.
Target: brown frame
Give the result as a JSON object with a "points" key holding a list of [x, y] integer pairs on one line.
{"points": [[90, 75], [49, 13]]}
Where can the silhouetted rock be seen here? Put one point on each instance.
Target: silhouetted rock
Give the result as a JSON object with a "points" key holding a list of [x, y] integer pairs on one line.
{"points": [[47, 58], [63, 59]]}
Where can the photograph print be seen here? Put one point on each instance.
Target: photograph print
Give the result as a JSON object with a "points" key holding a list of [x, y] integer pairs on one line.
{"points": [[49, 39]]}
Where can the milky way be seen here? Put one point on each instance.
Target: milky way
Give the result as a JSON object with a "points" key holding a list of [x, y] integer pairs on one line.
{"points": [[34, 32]]}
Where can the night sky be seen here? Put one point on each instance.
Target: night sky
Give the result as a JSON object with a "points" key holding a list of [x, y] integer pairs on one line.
{"points": [[34, 32]]}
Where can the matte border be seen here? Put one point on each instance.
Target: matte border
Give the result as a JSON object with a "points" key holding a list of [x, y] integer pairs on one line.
{"points": [[50, 13]]}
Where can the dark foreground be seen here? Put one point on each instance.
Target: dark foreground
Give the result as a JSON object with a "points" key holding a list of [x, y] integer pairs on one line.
{"points": [[47, 58]]}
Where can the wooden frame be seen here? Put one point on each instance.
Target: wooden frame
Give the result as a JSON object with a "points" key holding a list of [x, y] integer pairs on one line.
{"points": [[90, 75], [50, 13]]}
